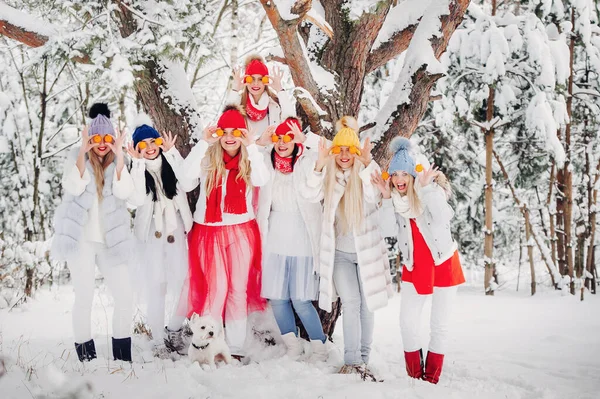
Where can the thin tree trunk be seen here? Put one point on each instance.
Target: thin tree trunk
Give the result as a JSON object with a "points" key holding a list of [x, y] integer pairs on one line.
{"points": [[529, 248], [552, 214], [520, 257], [488, 251]]}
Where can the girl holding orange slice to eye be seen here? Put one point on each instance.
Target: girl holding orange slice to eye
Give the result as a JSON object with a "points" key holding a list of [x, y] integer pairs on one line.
{"points": [[224, 244], [353, 255], [260, 94], [291, 229], [162, 220], [431, 263], [92, 227]]}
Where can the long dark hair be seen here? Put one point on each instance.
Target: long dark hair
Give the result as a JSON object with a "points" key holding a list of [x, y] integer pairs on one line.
{"points": [[294, 155], [169, 180]]}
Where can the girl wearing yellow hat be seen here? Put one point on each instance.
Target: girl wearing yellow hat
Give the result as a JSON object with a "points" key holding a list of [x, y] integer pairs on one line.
{"points": [[353, 257]]}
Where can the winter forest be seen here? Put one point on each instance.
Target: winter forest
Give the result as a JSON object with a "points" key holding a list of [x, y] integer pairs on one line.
{"points": [[503, 96]]}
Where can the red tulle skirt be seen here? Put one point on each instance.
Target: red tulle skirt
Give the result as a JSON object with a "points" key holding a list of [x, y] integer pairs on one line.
{"points": [[225, 271]]}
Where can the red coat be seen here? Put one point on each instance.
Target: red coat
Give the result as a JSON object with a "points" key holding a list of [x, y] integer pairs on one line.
{"points": [[425, 274]]}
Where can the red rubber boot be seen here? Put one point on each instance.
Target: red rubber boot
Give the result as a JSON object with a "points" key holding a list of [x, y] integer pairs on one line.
{"points": [[433, 367], [414, 363]]}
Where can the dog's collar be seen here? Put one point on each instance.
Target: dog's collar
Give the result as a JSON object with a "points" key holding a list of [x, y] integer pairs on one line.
{"points": [[200, 348]]}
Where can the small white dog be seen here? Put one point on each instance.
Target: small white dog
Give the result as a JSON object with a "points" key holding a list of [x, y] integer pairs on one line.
{"points": [[208, 343]]}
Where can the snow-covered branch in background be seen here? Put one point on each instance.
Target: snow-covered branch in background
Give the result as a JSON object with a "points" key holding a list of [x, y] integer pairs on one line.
{"points": [[540, 119], [420, 53]]}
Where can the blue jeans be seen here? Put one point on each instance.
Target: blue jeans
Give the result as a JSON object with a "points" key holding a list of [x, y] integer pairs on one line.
{"points": [[358, 320], [282, 309]]}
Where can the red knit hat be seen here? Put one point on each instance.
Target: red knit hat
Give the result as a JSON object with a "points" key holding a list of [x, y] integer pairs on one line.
{"points": [[284, 128], [232, 118], [257, 67]]}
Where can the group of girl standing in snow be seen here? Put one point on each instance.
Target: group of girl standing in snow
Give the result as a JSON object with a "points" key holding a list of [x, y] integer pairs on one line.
{"points": [[275, 221]]}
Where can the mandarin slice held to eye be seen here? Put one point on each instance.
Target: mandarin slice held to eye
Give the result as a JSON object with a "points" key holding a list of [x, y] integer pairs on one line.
{"points": [[274, 138], [158, 141], [287, 138], [237, 133], [109, 139], [419, 168], [142, 145], [336, 150], [385, 175], [248, 79], [354, 150], [97, 138], [219, 132], [265, 80]]}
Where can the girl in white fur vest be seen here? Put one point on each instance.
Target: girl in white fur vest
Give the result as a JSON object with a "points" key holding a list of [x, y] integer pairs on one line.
{"points": [[162, 220], [431, 264], [291, 230], [353, 256], [92, 227]]}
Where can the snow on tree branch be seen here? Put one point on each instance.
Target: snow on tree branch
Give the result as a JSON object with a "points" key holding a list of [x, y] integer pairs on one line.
{"points": [[541, 120]]}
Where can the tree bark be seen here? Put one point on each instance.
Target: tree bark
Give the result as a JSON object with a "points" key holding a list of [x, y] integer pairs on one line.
{"points": [[529, 248]]}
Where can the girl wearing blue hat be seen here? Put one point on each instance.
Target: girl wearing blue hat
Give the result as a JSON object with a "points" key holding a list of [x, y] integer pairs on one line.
{"points": [[431, 265], [162, 220], [92, 227]]}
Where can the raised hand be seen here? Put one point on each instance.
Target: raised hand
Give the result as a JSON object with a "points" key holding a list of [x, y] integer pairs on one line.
{"points": [[265, 138], [365, 153], [382, 185], [135, 153], [210, 134], [117, 146], [427, 176], [324, 155], [168, 141], [86, 143], [246, 138], [299, 137], [238, 79], [276, 79]]}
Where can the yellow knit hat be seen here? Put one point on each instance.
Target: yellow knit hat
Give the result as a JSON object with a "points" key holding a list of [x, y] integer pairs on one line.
{"points": [[346, 135]]}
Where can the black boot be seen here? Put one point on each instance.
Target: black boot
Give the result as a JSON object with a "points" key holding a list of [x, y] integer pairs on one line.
{"points": [[86, 351], [122, 348]]}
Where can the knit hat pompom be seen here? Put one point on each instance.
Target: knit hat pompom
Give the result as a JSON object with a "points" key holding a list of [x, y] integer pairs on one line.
{"points": [[400, 143], [255, 65], [232, 117], [346, 122], [284, 126], [99, 109], [402, 157], [143, 129]]}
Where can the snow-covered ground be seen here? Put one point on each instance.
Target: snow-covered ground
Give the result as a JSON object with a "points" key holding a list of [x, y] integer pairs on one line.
{"points": [[509, 346]]}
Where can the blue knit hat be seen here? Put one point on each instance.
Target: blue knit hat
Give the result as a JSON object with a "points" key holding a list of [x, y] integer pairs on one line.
{"points": [[402, 160], [144, 130]]}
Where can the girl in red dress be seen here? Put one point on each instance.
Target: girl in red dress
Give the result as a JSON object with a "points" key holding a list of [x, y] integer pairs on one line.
{"points": [[431, 265]]}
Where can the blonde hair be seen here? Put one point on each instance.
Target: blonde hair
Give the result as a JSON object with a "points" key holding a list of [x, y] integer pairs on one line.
{"points": [[411, 191], [98, 167], [214, 166], [351, 203]]}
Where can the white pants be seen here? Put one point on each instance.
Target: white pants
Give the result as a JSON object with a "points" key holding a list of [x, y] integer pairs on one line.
{"points": [[83, 277], [411, 309], [164, 268]]}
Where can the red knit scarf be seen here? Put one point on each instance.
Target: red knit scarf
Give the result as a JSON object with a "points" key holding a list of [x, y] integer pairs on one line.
{"points": [[254, 113], [284, 165], [235, 198]]}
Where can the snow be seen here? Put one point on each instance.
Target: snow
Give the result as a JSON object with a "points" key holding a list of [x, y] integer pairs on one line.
{"points": [[507, 346], [4, 146], [26, 21], [405, 14], [541, 120], [356, 8], [285, 9]]}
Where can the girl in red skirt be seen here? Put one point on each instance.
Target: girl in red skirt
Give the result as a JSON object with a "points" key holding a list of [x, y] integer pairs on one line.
{"points": [[224, 243], [431, 265]]}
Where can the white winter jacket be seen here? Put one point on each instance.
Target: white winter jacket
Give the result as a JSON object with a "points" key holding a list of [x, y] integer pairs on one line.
{"points": [[145, 210], [191, 173], [311, 212], [371, 250], [434, 225]]}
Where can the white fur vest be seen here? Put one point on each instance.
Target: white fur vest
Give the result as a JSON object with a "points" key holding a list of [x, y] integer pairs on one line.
{"points": [[72, 215]]}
